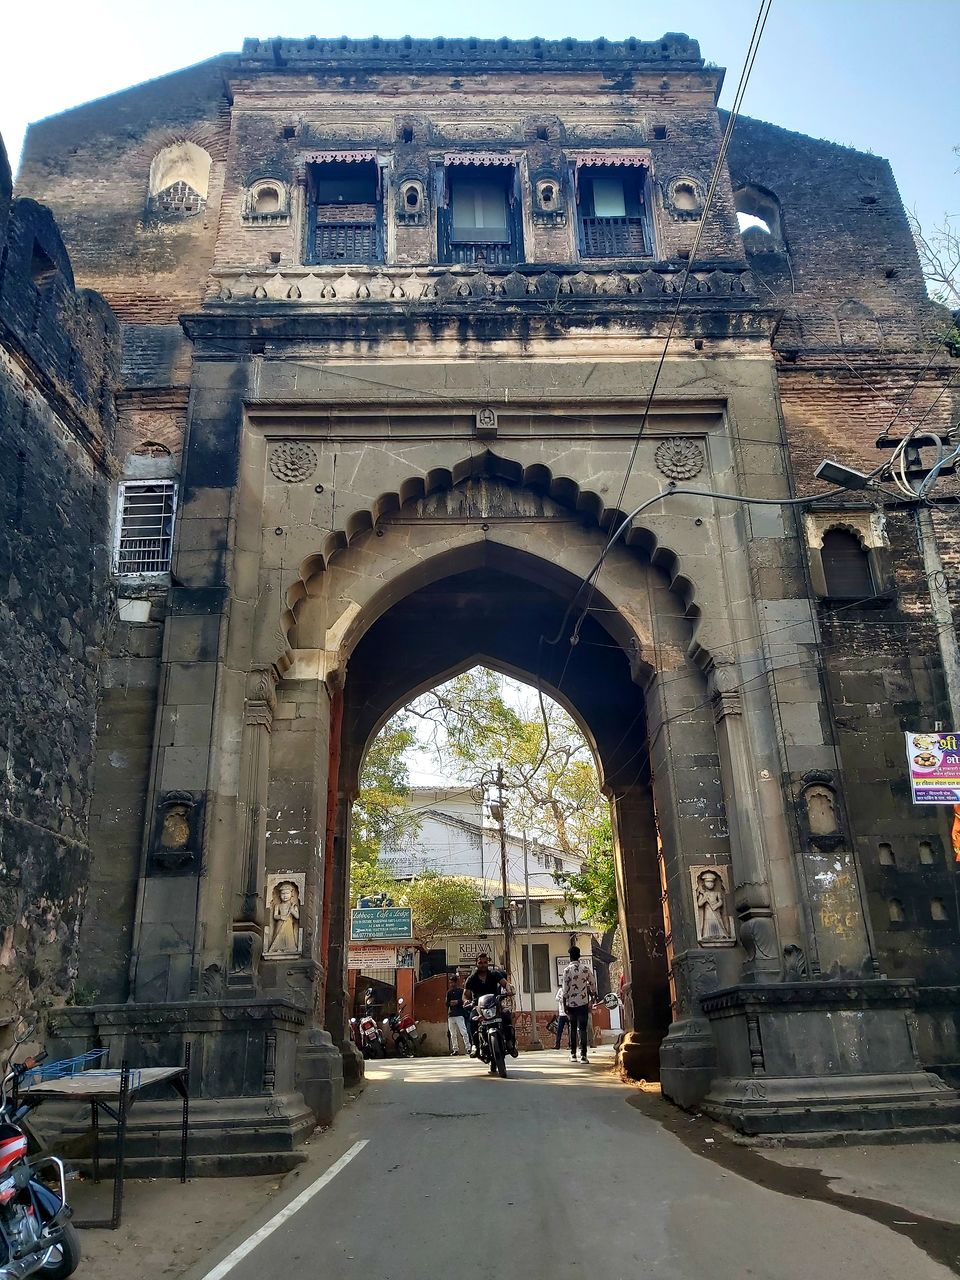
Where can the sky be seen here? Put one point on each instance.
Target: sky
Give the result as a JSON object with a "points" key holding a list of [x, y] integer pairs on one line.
{"points": [[875, 74]]}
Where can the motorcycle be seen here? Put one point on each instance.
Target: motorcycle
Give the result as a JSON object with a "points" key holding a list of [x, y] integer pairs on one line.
{"points": [[36, 1235], [489, 1032], [403, 1029], [372, 1042]]}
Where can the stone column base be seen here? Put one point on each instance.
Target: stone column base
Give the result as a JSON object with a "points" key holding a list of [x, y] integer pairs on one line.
{"points": [[819, 1062], [638, 1055], [688, 1062], [248, 1059]]}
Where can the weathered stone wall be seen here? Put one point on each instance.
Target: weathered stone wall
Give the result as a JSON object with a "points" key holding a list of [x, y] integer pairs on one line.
{"points": [[59, 361]]}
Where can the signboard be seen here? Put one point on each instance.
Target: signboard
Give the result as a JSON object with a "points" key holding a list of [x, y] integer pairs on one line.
{"points": [[381, 924], [371, 957], [563, 961], [933, 762], [462, 952]]}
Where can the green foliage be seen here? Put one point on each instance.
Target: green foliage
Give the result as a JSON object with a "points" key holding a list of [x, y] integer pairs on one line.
{"points": [[594, 887], [380, 812], [554, 795], [441, 904]]}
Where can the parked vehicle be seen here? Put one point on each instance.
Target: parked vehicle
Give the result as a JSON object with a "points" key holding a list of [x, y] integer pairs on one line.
{"points": [[489, 1035], [36, 1235], [372, 1041], [403, 1028]]}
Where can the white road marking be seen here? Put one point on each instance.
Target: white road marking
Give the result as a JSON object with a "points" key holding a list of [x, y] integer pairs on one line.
{"points": [[230, 1261]]}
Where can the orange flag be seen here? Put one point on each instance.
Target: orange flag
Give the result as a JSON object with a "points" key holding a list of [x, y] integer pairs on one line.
{"points": [[955, 833]]}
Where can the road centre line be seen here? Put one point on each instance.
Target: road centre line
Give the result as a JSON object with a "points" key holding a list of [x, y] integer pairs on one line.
{"points": [[230, 1261]]}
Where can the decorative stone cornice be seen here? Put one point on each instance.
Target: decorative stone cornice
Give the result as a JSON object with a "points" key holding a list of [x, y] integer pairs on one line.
{"points": [[727, 283]]}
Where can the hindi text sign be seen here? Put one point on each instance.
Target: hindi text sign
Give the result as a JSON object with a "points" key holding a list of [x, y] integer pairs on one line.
{"points": [[933, 761]]}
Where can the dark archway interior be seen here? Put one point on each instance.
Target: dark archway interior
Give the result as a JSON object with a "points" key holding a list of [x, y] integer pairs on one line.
{"points": [[488, 613]]}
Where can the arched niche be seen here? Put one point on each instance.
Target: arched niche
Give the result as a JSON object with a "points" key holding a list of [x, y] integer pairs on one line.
{"points": [[179, 178], [758, 216]]}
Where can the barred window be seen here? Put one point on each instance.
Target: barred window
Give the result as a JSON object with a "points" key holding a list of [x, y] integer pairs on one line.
{"points": [[144, 539]]}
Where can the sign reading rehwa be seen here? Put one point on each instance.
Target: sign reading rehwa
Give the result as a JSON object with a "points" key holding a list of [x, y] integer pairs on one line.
{"points": [[381, 924], [933, 761]]}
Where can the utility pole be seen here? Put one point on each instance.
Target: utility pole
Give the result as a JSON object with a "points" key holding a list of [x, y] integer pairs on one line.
{"points": [[535, 1042], [499, 817]]}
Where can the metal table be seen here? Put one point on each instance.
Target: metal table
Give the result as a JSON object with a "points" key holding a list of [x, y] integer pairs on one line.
{"points": [[113, 1093]]}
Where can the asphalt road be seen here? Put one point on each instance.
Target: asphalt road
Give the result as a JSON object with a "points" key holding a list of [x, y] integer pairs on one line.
{"points": [[548, 1174]]}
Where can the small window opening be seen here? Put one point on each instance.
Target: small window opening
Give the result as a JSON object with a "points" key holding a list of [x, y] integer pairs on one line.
{"points": [[406, 134], [345, 212], [887, 858], [144, 538], [659, 132], [289, 131], [274, 256], [179, 179], [412, 197], [758, 217], [42, 267], [267, 200], [746, 221], [542, 134], [613, 212], [846, 566], [938, 909], [927, 857], [895, 911]]}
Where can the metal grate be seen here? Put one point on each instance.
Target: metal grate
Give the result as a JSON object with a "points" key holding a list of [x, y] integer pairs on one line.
{"points": [[495, 255], [347, 241], [145, 528], [614, 237]]}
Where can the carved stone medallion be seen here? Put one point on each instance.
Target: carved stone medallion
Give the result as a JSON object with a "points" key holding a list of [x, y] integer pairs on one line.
{"points": [[292, 462], [679, 459]]}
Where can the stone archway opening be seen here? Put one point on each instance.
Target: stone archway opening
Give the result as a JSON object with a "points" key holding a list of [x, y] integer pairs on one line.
{"points": [[496, 613]]}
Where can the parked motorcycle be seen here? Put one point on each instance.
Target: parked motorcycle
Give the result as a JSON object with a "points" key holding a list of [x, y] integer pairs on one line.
{"points": [[403, 1029], [36, 1235], [372, 1041], [489, 1035]]}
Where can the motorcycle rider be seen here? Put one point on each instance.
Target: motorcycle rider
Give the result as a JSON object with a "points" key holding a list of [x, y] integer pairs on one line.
{"points": [[485, 981]]}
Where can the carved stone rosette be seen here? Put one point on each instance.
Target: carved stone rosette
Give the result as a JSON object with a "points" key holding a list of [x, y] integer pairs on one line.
{"points": [[678, 458], [293, 462]]}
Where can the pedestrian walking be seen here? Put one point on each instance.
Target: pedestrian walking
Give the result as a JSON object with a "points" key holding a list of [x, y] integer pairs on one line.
{"points": [[561, 1021], [579, 988], [455, 1016]]}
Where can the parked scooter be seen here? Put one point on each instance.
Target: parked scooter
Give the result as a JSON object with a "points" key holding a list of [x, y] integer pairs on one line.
{"points": [[372, 1041], [489, 1037], [403, 1029], [36, 1235]]}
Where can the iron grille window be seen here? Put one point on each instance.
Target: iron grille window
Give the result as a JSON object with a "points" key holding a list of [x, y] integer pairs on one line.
{"points": [[346, 212], [144, 541], [846, 566], [480, 219], [541, 967], [614, 221]]}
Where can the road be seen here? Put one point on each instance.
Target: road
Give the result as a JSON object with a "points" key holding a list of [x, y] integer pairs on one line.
{"points": [[550, 1173]]}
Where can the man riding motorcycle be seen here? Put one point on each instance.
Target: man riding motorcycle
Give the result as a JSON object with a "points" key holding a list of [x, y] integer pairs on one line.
{"points": [[485, 981]]}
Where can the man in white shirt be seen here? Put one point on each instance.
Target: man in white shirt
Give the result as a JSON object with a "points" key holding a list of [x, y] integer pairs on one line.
{"points": [[579, 992], [562, 1018]]}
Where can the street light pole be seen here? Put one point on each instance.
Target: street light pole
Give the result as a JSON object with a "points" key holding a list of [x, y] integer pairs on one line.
{"points": [[497, 813], [535, 1042]]}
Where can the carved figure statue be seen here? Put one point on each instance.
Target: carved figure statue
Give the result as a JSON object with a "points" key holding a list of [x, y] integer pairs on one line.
{"points": [[285, 914], [713, 923]]}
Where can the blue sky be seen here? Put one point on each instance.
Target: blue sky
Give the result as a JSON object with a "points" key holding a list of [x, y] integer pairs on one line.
{"points": [[876, 74]]}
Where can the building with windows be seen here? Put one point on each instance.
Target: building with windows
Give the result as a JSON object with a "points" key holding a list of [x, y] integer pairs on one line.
{"points": [[391, 315]]}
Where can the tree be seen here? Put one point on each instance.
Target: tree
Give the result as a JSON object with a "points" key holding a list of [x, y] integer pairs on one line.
{"points": [[441, 905], [553, 791], [594, 887], [380, 813]]}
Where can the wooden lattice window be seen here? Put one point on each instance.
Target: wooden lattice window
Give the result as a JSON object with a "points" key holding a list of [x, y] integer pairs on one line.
{"points": [[613, 214], [144, 535], [846, 566], [346, 212]]}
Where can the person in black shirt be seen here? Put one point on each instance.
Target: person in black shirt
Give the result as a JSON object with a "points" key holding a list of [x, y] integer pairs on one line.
{"points": [[455, 1016], [485, 981]]}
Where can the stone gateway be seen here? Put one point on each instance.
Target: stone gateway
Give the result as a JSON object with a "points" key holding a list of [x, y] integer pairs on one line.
{"points": [[391, 313]]}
